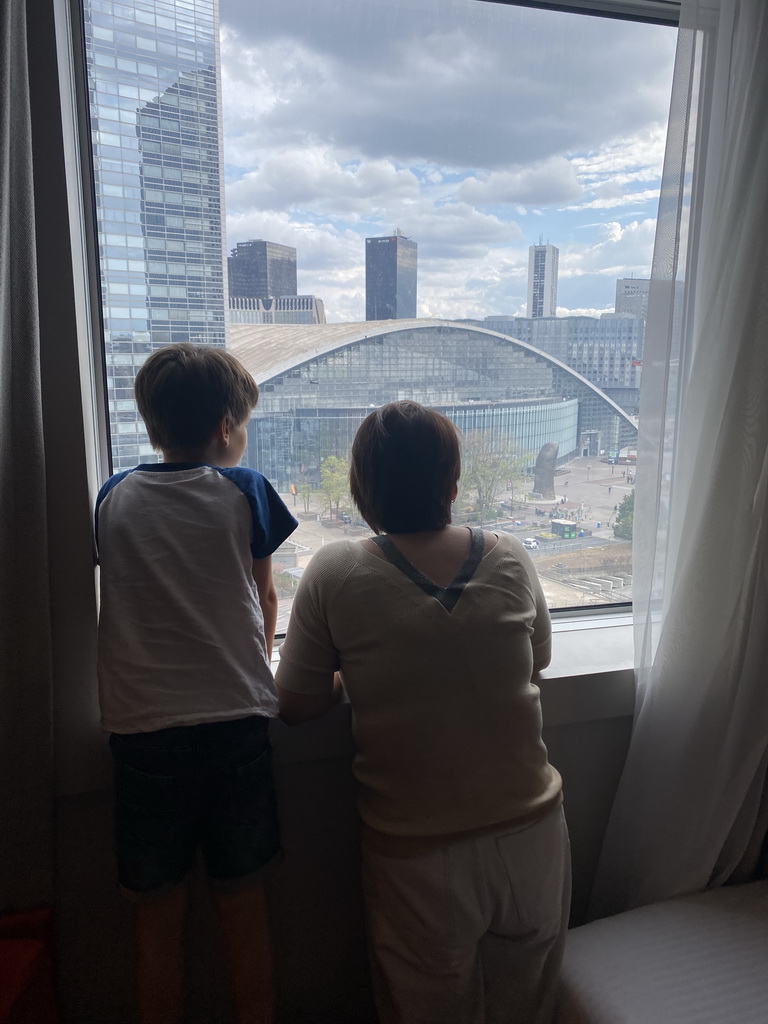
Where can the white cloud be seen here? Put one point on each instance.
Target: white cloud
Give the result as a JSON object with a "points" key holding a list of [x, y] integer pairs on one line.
{"points": [[471, 126], [609, 202], [452, 229], [584, 311], [643, 150], [546, 182], [605, 175], [455, 84], [314, 179], [619, 252]]}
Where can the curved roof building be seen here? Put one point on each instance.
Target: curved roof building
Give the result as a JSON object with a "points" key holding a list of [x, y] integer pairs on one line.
{"points": [[318, 382]]}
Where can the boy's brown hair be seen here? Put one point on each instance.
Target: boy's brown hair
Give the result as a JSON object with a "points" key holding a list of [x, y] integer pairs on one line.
{"points": [[183, 391], [406, 462]]}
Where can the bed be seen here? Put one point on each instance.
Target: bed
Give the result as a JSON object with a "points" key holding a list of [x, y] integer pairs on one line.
{"points": [[699, 959]]}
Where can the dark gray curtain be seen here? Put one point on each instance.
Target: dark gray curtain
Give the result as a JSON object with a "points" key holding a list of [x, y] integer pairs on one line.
{"points": [[25, 629]]}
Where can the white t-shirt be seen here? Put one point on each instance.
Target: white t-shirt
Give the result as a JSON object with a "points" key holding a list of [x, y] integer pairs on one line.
{"points": [[181, 631]]}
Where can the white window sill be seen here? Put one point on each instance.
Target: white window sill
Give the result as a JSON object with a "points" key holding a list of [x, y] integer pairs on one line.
{"points": [[585, 645], [591, 678], [591, 675]]}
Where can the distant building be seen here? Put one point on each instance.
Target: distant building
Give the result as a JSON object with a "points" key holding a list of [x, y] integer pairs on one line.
{"points": [[319, 382], [261, 270], [542, 280], [390, 277], [608, 351], [290, 309], [632, 295], [156, 134]]}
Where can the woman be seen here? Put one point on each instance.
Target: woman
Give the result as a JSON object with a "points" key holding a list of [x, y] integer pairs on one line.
{"points": [[437, 631]]}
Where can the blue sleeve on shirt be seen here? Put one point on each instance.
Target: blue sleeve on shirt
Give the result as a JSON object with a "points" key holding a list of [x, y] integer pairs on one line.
{"points": [[272, 522], [106, 488]]}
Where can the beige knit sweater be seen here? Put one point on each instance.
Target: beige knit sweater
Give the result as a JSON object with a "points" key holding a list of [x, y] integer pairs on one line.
{"points": [[447, 721]]}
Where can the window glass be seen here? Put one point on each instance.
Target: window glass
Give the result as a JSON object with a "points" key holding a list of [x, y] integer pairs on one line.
{"points": [[445, 200]]}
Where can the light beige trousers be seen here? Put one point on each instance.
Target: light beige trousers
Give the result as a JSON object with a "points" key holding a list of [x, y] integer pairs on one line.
{"points": [[471, 932]]}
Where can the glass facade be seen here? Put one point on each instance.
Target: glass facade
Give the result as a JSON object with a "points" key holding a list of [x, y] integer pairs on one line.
{"points": [[483, 382], [261, 270], [153, 78], [607, 351]]}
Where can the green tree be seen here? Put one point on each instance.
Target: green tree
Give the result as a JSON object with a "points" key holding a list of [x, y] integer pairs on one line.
{"points": [[489, 467], [285, 584], [622, 528], [304, 491], [334, 482]]}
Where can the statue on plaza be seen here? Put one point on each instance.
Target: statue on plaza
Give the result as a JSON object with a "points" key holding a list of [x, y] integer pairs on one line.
{"points": [[544, 471]]}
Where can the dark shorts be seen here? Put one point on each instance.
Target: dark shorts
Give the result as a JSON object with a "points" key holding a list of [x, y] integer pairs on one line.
{"points": [[196, 786]]}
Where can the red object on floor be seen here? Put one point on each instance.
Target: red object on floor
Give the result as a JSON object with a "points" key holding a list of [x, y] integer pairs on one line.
{"points": [[27, 991]]}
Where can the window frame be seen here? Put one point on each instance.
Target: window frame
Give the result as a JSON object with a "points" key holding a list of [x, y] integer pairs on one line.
{"points": [[654, 12], [70, 32]]}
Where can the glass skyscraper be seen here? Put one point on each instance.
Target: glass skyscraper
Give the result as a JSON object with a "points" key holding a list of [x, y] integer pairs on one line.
{"points": [[154, 86], [390, 277], [262, 270]]}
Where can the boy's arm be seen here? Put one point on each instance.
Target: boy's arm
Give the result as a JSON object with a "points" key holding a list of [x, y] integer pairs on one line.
{"points": [[265, 585]]}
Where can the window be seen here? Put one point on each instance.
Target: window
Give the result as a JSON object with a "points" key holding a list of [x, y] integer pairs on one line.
{"points": [[466, 194]]}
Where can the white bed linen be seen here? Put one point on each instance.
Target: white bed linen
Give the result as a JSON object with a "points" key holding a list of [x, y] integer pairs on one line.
{"points": [[695, 960]]}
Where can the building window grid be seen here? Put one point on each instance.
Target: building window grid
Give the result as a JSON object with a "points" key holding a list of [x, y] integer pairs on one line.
{"points": [[436, 369], [173, 110]]}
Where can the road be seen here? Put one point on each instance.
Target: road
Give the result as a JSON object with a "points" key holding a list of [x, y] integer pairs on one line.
{"points": [[548, 548]]}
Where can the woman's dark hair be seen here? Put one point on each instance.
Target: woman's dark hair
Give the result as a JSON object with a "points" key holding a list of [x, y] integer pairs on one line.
{"points": [[184, 390], [406, 462]]}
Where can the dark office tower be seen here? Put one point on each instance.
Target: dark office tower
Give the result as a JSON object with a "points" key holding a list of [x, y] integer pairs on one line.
{"points": [[153, 70], [390, 277], [261, 270]]}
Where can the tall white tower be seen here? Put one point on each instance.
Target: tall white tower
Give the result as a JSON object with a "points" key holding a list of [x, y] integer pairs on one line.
{"points": [[542, 279], [632, 295]]}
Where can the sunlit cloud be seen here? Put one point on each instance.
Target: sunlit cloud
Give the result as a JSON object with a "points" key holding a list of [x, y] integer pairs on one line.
{"points": [[472, 127], [550, 182], [624, 199]]}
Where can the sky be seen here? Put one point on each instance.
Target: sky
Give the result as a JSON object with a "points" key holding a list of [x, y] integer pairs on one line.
{"points": [[475, 128]]}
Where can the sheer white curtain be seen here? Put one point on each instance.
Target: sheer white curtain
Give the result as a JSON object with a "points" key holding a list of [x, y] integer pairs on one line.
{"points": [[691, 806]]}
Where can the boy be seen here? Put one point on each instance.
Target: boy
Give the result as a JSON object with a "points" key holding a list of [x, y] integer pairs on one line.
{"points": [[188, 613]]}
